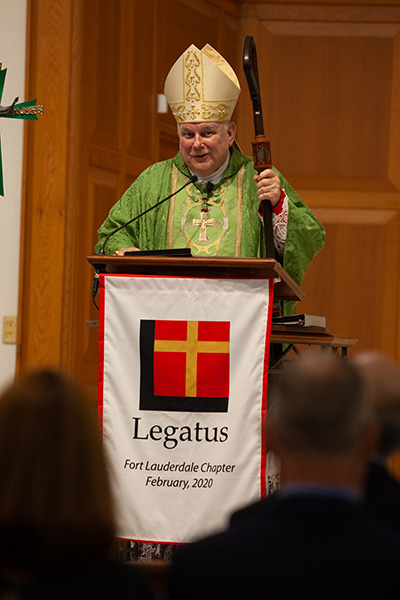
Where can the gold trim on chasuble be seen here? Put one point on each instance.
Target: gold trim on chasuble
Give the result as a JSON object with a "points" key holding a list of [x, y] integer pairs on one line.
{"points": [[202, 223], [239, 214]]}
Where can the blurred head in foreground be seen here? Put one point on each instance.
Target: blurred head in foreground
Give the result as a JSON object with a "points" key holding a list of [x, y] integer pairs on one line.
{"points": [[382, 377], [321, 423], [55, 500]]}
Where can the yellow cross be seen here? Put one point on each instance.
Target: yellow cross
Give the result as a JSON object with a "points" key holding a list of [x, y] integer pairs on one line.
{"points": [[192, 346]]}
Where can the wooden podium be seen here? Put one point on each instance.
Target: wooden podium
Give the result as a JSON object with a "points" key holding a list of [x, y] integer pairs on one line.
{"points": [[183, 347], [234, 295], [285, 288]]}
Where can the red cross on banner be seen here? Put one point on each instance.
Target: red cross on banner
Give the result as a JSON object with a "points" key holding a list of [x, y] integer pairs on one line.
{"points": [[185, 365], [191, 358]]}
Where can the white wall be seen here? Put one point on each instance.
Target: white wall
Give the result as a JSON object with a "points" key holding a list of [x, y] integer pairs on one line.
{"points": [[12, 57]]}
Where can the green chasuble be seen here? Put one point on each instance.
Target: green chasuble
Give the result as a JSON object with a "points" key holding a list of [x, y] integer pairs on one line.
{"points": [[223, 223]]}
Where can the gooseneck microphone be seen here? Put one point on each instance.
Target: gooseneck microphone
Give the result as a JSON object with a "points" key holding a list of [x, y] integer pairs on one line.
{"points": [[191, 180], [95, 287]]}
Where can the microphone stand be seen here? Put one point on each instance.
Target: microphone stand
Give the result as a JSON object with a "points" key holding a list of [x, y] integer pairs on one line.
{"points": [[191, 180], [95, 288]]}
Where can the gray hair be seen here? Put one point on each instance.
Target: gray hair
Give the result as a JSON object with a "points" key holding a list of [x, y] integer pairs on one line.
{"points": [[225, 123], [321, 405], [382, 377]]}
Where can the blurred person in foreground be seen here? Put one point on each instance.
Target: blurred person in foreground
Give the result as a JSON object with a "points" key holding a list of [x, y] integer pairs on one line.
{"points": [[313, 538], [382, 490], [56, 514]]}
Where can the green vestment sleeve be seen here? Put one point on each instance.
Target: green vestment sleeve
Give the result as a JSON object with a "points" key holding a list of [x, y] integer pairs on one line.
{"points": [[305, 239], [148, 232]]}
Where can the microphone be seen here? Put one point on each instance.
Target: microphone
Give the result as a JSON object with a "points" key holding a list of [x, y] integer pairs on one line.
{"points": [[95, 287], [209, 187], [191, 180]]}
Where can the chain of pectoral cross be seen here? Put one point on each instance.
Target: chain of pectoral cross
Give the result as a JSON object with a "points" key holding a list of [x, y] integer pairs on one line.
{"points": [[204, 221]]}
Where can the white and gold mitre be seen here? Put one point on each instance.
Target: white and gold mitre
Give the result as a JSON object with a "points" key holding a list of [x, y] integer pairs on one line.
{"points": [[201, 86]]}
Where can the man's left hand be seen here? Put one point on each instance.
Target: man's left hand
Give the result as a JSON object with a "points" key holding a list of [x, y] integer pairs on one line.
{"points": [[268, 186]]}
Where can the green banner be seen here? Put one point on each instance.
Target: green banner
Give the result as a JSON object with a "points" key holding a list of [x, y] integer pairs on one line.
{"points": [[22, 110]]}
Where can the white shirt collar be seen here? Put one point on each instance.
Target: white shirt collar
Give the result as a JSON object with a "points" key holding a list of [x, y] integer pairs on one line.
{"points": [[216, 176]]}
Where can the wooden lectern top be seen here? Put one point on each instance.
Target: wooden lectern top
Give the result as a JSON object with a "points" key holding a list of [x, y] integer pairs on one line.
{"points": [[216, 266]]}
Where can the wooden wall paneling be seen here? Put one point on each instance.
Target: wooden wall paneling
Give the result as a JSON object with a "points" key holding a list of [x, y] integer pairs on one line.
{"points": [[139, 106], [72, 234], [108, 69], [101, 191], [103, 41], [391, 284], [326, 100], [394, 151], [339, 11], [325, 87], [394, 142], [354, 282], [166, 143], [104, 133], [330, 93], [243, 115], [100, 148], [229, 40], [45, 214], [178, 19]]}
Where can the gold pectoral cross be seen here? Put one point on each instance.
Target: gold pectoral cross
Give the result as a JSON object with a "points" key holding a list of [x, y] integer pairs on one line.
{"points": [[203, 222]]}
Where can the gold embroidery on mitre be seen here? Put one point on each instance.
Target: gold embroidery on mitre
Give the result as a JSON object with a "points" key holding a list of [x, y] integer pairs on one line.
{"points": [[201, 86], [215, 112], [182, 114], [192, 78]]}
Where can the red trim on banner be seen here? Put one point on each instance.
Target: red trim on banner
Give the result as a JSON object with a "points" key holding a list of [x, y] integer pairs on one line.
{"points": [[144, 276], [263, 483], [150, 541], [100, 401]]}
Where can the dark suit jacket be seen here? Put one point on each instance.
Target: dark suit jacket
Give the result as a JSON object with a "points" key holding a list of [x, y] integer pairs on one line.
{"points": [[382, 493], [292, 547], [97, 580]]}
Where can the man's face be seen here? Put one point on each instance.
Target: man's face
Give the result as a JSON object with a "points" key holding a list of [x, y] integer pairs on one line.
{"points": [[205, 146]]}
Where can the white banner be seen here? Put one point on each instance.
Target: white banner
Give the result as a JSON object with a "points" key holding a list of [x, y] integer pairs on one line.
{"points": [[183, 375]]}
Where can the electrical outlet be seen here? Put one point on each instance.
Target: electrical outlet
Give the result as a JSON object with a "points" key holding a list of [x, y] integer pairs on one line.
{"points": [[9, 330]]}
